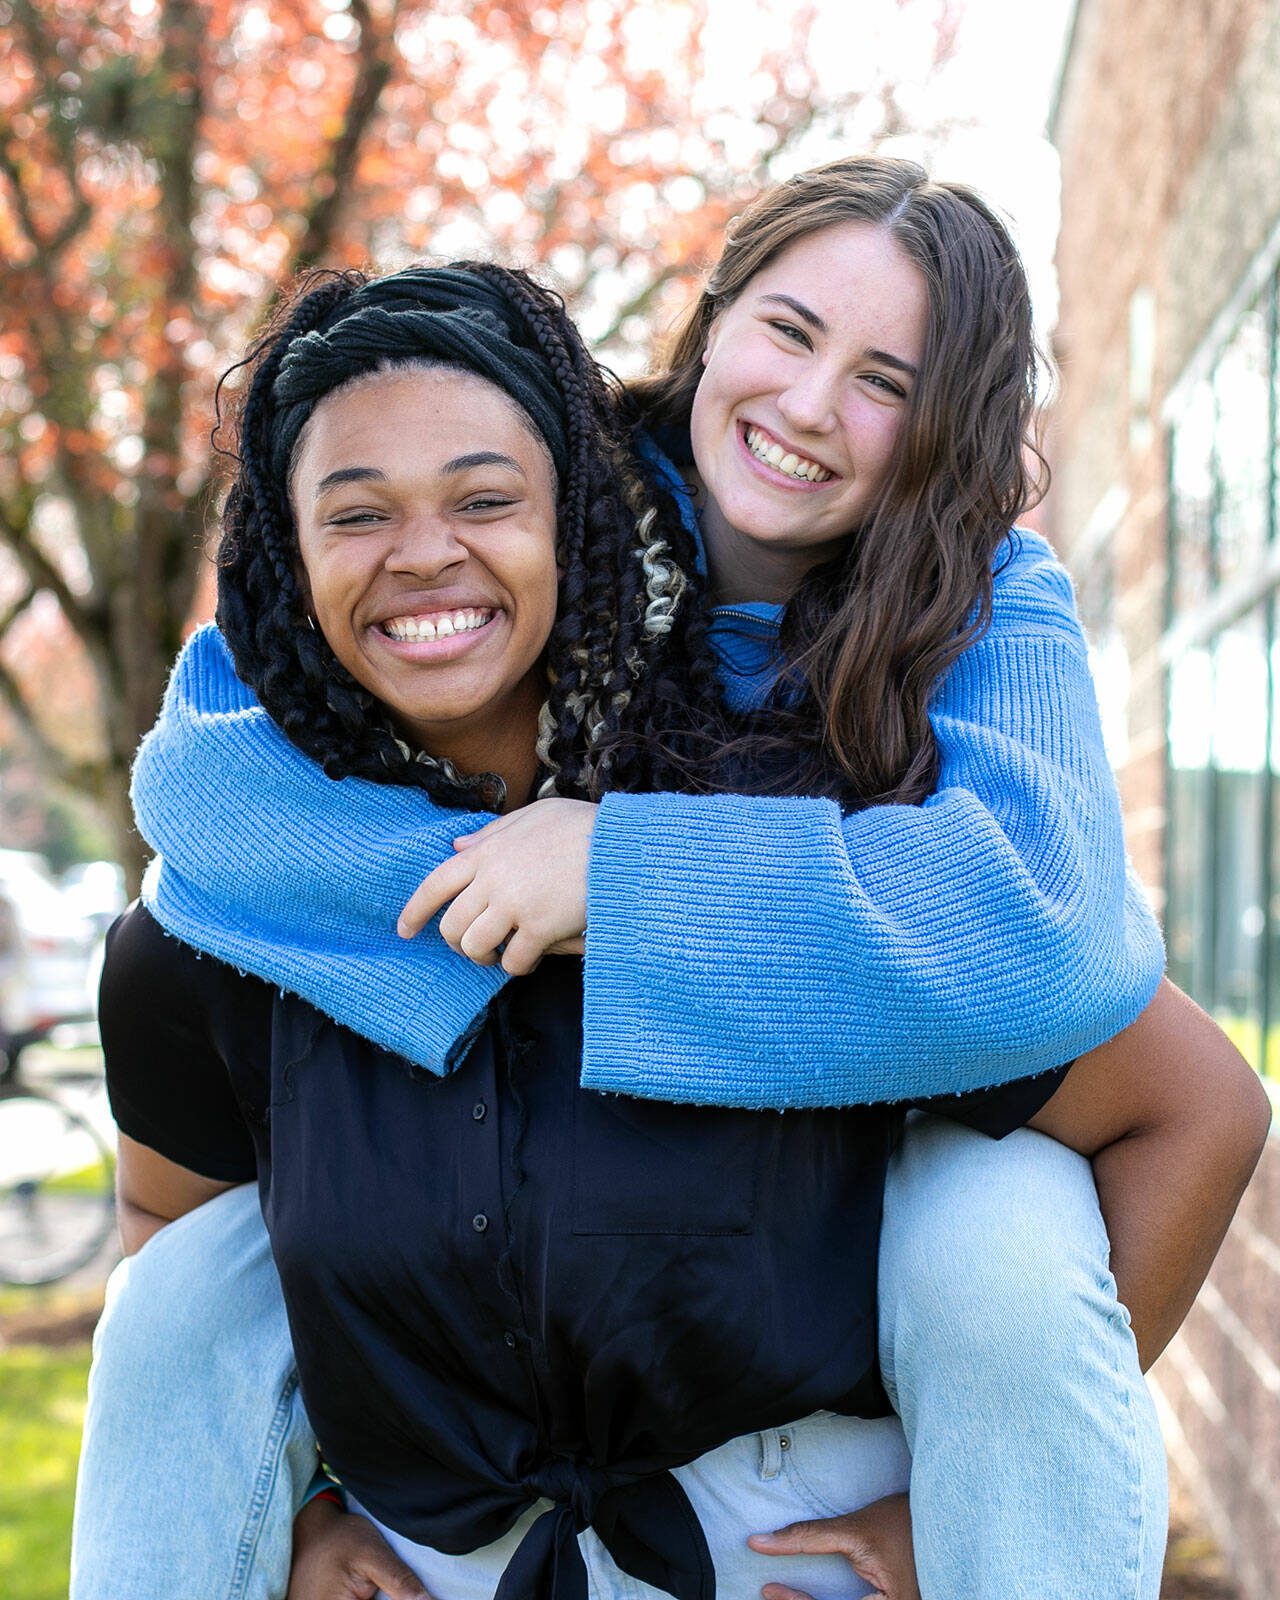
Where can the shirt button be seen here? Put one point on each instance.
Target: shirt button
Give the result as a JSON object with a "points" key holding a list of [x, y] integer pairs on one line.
{"points": [[509, 1339], [479, 1222], [478, 1111]]}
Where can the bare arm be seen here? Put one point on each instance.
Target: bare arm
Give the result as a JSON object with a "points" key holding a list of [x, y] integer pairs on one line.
{"points": [[1174, 1119], [152, 1190]]}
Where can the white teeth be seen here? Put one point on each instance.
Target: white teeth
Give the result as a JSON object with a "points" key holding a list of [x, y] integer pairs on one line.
{"points": [[417, 629], [761, 446]]}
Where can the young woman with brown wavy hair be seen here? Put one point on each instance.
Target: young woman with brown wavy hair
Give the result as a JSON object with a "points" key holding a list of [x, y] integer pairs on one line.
{"points": [[875, 620], [943, 906]]}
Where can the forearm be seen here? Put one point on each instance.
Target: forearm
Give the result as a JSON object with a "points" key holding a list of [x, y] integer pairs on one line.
{"points": [[1174, 1120], [755, 951], [1168, 1193], [768, 952]]}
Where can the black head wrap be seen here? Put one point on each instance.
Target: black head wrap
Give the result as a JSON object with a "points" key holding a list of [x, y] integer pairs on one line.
{"points": [[444, 314]]}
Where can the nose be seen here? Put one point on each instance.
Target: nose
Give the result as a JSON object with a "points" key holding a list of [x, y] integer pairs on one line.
{"points": [[808, 404], [427, 546]]}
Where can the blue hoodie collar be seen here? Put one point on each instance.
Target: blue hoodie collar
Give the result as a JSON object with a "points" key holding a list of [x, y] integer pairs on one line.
{"points": [[744, 636], [764, 613]]}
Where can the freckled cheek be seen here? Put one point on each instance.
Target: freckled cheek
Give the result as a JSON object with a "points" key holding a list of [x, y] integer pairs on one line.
{"points": [[760, 374], [739, 370], [872, 432]]}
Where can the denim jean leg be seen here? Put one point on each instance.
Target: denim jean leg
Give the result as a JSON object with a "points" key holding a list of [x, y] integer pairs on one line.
{"points": [[1037, 1468], [197, 1448]]}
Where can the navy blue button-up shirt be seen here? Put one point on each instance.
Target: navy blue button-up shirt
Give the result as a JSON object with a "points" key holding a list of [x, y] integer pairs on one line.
{"points": [[503, 1287]]}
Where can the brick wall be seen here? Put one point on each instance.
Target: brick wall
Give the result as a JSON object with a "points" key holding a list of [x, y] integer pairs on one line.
{"points": [[1151, 118], [1168, 126], [1218, 1387]]}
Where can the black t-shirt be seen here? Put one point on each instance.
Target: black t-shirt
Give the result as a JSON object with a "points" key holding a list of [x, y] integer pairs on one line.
{"points": [[502, 1286]]}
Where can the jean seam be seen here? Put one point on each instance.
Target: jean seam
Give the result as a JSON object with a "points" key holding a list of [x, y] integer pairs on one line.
{"points": [[1138, 1512], [268, 1472], [817, 1502]]}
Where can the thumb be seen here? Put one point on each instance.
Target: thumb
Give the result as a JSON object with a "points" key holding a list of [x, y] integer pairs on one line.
{"points": [[825, 1536], [830, 1536], [478, 835]]}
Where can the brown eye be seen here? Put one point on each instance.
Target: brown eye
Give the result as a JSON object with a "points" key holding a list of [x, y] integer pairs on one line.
{"points": [[353, 519], [487, 502], [790, 332]]}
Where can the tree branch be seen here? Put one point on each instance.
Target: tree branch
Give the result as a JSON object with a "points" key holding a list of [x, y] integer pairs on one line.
{"points": [[372, 76], [175, 148], [88, 778], [42, 574], [45, 60], [21, 200], [639, 302]]}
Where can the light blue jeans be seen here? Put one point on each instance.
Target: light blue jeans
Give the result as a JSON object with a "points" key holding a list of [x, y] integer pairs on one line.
{"points": [[1027, 1432]]}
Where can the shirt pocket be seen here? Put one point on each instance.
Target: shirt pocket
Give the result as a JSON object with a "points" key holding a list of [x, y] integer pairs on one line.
{"points": [[649, 1167]]}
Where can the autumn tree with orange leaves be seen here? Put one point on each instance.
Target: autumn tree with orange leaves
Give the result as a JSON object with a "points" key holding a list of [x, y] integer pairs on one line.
{"points": [[166, 165]]}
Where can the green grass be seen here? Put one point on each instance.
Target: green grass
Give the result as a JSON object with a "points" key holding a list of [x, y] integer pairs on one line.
{"points": [[93, 1179], [41, 1414]]}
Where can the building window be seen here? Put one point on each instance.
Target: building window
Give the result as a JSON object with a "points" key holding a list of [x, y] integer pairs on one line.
{"points": [[1222, 836]]}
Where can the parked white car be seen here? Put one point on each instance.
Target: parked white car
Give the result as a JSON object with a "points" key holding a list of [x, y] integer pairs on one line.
{"points": [[95, 891], [46, 946]]}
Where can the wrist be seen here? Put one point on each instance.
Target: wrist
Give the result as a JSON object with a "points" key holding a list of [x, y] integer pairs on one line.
{"points": [[321, 1484], [314, 1521]]}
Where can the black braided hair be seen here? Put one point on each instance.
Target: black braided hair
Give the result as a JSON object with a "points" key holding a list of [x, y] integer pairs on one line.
{"points": [[632, 689], [629, 658]]}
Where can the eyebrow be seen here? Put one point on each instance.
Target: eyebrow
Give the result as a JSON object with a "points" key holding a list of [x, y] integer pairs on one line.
{"points": [[887, 360], [334, 480], [482, 458], [477, 458], [801, 310], [807, 314]]}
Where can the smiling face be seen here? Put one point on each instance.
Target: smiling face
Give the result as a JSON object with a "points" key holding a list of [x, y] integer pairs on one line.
{"points": [[808, 377], [426, 516]]}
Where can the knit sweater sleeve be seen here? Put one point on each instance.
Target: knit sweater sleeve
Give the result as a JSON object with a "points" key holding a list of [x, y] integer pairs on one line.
{"points": [[294, 877], [769, 952]]}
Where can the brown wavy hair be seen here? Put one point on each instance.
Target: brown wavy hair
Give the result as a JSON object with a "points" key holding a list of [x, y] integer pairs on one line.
{"points": [[867, 636]]}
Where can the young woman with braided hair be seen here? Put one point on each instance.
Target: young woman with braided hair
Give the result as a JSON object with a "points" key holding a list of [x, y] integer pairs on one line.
{"points": [[405, 454], [430, 1038], [613, 658]]}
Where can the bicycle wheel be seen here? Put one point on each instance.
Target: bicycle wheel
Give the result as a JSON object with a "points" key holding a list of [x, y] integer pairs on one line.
{"points": [[57, 1199]]}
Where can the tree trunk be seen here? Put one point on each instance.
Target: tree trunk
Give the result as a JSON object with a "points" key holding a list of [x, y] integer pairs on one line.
{"points": [[132, 851]]}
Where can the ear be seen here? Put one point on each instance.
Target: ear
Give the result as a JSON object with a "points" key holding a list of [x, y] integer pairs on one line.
{"points": [[713, 335]]}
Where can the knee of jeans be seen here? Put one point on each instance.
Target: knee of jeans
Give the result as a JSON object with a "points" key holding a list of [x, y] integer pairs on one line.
{"points": [[201, 1288], [991, 1256]]}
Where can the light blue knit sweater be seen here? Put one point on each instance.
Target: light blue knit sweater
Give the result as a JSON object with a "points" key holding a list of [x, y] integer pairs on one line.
{"points": [[740, 951]]}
